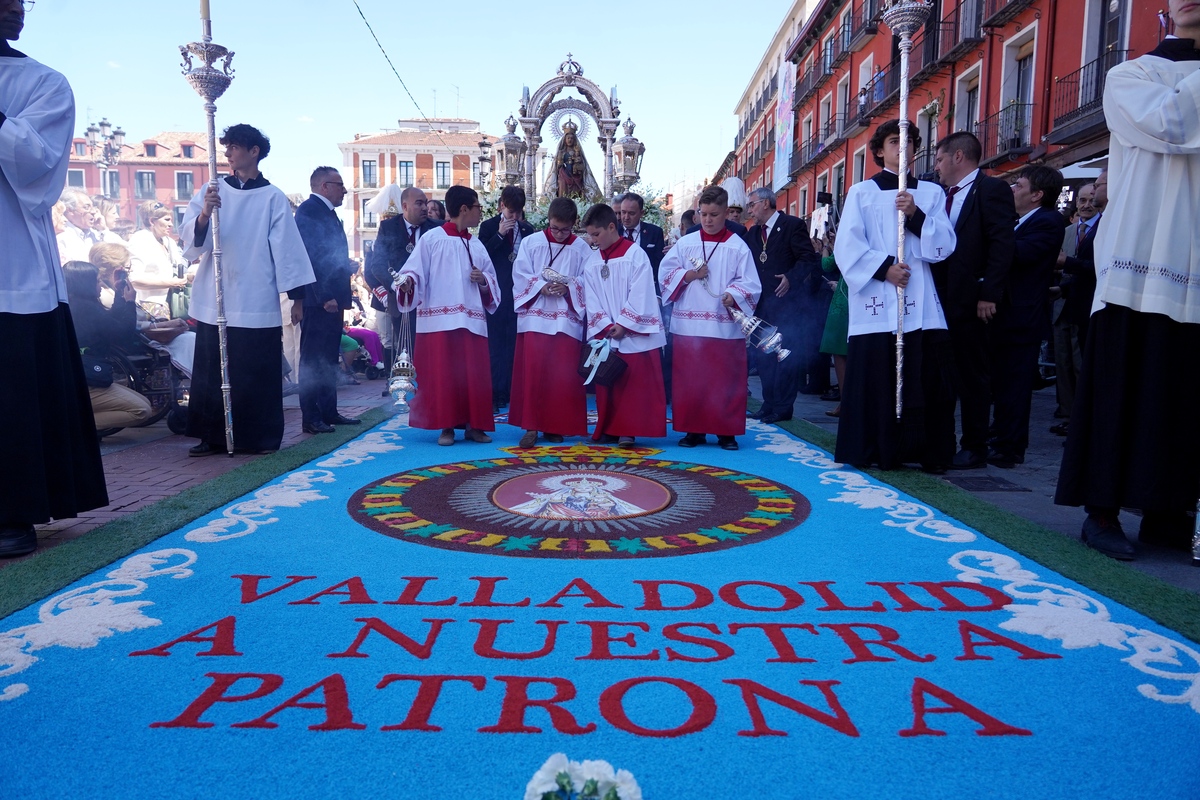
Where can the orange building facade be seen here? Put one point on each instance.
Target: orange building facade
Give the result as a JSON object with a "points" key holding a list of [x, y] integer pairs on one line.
{"points": [[1026, 76]]}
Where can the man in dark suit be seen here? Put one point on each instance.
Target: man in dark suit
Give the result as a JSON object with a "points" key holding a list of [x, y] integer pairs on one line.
{"points": [[649, 237], [790, 274], [324, 301], [397, 238], [1022, 320], [1081, 267], [971, 281], [502, 235]]}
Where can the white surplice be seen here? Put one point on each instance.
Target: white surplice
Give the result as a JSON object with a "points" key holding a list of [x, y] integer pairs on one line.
{"points": [[537, 312], [625, 297], [443, 293], [694, 309], [35, 140], [262, 255], [866, 240]]}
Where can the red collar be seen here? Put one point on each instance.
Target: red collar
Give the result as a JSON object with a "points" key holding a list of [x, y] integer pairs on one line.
{"points": [[723, 236], [550, 238], [452, 230], [617, 250]]}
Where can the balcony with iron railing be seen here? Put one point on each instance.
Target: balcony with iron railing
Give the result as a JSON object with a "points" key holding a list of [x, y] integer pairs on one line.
{"points": [[864, 23], [923, 58], [1078, 100], [1000, 12], [960, 30], [841, 43], [882, 90], [1006, 134], [807, 84], [922, 164]]}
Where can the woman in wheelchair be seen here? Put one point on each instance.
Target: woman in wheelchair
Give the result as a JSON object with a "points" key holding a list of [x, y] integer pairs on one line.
{"points": [[103, 334]]}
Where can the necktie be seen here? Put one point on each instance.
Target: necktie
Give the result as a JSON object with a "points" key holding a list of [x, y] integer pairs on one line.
{"points": [[412, 234], [629, 235], [950, 198]]}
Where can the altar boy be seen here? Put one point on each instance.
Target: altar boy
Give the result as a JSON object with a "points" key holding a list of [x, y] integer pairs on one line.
{"points": [[620, 305], [450, 282], [547, 393], [866, 254], [703, 276]]}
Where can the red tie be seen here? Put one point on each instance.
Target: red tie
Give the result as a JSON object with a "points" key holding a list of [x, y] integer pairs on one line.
{"points": [[950, 198]]}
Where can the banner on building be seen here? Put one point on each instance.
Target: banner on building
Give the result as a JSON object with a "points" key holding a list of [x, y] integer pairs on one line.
{"points": [[783, 129]]}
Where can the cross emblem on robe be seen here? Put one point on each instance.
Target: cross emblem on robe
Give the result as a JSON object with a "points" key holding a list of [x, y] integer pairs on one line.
{"points": [[909, 305], [874, 306]]}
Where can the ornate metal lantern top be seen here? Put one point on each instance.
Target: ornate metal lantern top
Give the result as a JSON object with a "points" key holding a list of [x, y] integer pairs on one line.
{"points": [[905, 17]]}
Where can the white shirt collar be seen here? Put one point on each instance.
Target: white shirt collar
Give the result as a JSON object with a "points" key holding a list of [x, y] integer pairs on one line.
{"points": [[324, 200], [968, 179], [1088, 223], [771, 222], [1021, 221]]}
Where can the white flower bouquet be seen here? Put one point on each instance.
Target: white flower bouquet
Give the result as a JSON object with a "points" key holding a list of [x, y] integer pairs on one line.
{"points": [[560, 779]]}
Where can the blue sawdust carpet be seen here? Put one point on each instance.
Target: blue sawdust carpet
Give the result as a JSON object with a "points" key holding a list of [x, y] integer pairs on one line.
{"points": [[398, 619]]}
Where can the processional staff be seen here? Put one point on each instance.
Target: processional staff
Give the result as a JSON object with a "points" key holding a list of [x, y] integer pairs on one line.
{"points": [[210, 83], [904, 18]]}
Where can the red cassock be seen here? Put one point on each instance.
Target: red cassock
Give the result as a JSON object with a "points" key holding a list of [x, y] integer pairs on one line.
{"points": [[547, 393], [454, 381], [636, 405], [709, 385]]}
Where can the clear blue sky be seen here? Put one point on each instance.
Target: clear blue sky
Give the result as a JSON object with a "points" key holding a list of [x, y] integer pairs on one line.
{"points": [[309, 74]]}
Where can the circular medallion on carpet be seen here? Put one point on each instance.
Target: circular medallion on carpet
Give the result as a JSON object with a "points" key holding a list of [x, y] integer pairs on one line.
{"points": [[579, 503]]}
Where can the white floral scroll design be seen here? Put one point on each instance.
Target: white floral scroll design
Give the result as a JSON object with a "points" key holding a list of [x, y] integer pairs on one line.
{"points": [[364, 448], [1079, 620], [797, 450], [242, 519], [917, 519], [79, 618]]}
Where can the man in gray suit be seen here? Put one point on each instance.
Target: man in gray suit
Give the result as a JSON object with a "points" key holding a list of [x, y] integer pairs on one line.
{"points": [[1067, 358]]}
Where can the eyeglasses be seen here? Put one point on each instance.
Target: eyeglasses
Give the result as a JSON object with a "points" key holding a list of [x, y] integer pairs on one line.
{"points": [[334, 183], [562, 231], [475, 206]]}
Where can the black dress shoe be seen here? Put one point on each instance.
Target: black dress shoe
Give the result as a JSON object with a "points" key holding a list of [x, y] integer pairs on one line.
{"points": [[205, 449], [340, 420], [1060, 429], [1106, 536], [834, 395], [1003, 460], [933, 469], [17, 541], [727, 443], [968, 459], [317, 427], [771, 419], [693, 440], [759, 414], [1166, 529]]}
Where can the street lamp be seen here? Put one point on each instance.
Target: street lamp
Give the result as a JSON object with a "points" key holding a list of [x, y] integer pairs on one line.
{"points": [[105, 144], [485, 161]]}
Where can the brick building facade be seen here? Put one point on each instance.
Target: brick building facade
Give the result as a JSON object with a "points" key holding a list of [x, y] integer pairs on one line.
{"points": [[432, 155], [1026, 76], [168, 168]]}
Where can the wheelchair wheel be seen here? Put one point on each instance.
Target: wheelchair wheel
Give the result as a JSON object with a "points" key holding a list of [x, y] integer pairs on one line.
{"points": [[177, 419], [152, 381]]}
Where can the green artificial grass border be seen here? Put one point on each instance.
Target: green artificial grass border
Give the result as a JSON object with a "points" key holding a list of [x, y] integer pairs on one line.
{"points": [[27, 582], [1176, 608], [50, 570]]}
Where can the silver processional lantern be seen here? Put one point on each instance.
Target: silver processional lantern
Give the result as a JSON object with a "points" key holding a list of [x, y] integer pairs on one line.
{"points": [[210, 83]]}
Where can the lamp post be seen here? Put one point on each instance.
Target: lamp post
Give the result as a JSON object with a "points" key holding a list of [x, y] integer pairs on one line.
{"points": [[485, 162], [105, 144]]}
